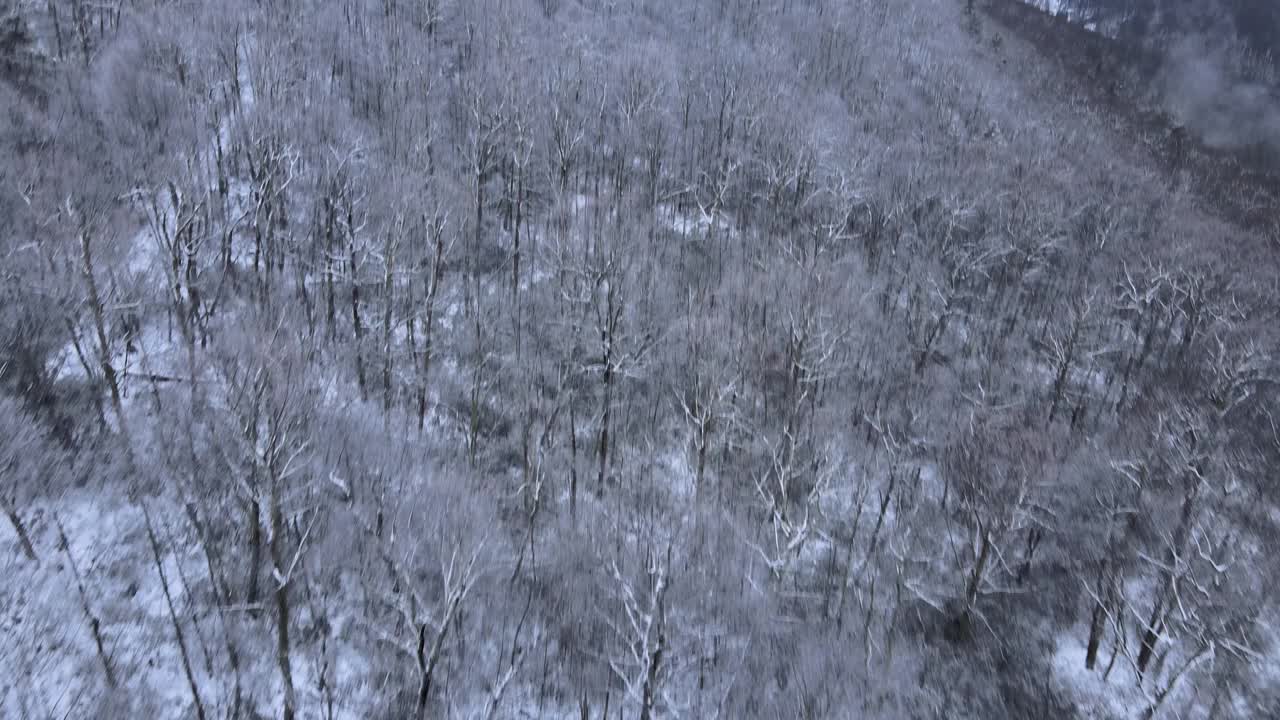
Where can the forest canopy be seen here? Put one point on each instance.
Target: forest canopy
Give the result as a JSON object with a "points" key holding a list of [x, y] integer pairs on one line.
{"points": [[608, 358]]}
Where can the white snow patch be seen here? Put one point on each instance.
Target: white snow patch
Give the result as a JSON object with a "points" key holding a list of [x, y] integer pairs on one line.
{"points": [[1117, 696], [691, 224]]}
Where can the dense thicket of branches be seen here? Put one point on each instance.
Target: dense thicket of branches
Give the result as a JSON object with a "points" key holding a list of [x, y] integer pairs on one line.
{"points": [[728, 358]]}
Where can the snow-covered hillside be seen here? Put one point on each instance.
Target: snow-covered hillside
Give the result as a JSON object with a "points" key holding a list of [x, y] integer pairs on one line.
{"points": [[593, 359]]}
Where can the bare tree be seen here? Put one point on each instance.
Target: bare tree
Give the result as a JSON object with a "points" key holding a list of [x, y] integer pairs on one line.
{"points": [[21, 444], [644, 664], [92, 618], [1065, 347], [435, 257], [157, 557], [86, 224], [267, 397], [415, 617]]}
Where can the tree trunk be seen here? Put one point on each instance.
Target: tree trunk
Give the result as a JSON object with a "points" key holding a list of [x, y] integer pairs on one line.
{"points": [[95, 626], [607, 339], [1151, 635], [473, 260], [603, 448], [173, 616], [282, 604], [1095, 636], [388, 292], [1155, 625], [975, 580], [255, 550], [357, 325], [515, 259], [427, 661], [100, 328], [650, 690], [573, 463], [19, 527], [221, 597], [330, 273], [424, 685], [848, 566], [437, 268], [1206, 652]]}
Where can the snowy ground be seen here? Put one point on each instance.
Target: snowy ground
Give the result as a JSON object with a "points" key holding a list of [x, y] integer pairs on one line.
{"points": [[46, 634], [1118, 696]]}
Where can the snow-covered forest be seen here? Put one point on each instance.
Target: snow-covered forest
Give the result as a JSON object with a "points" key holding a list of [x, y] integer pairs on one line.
{"points": [[630, 359]]}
